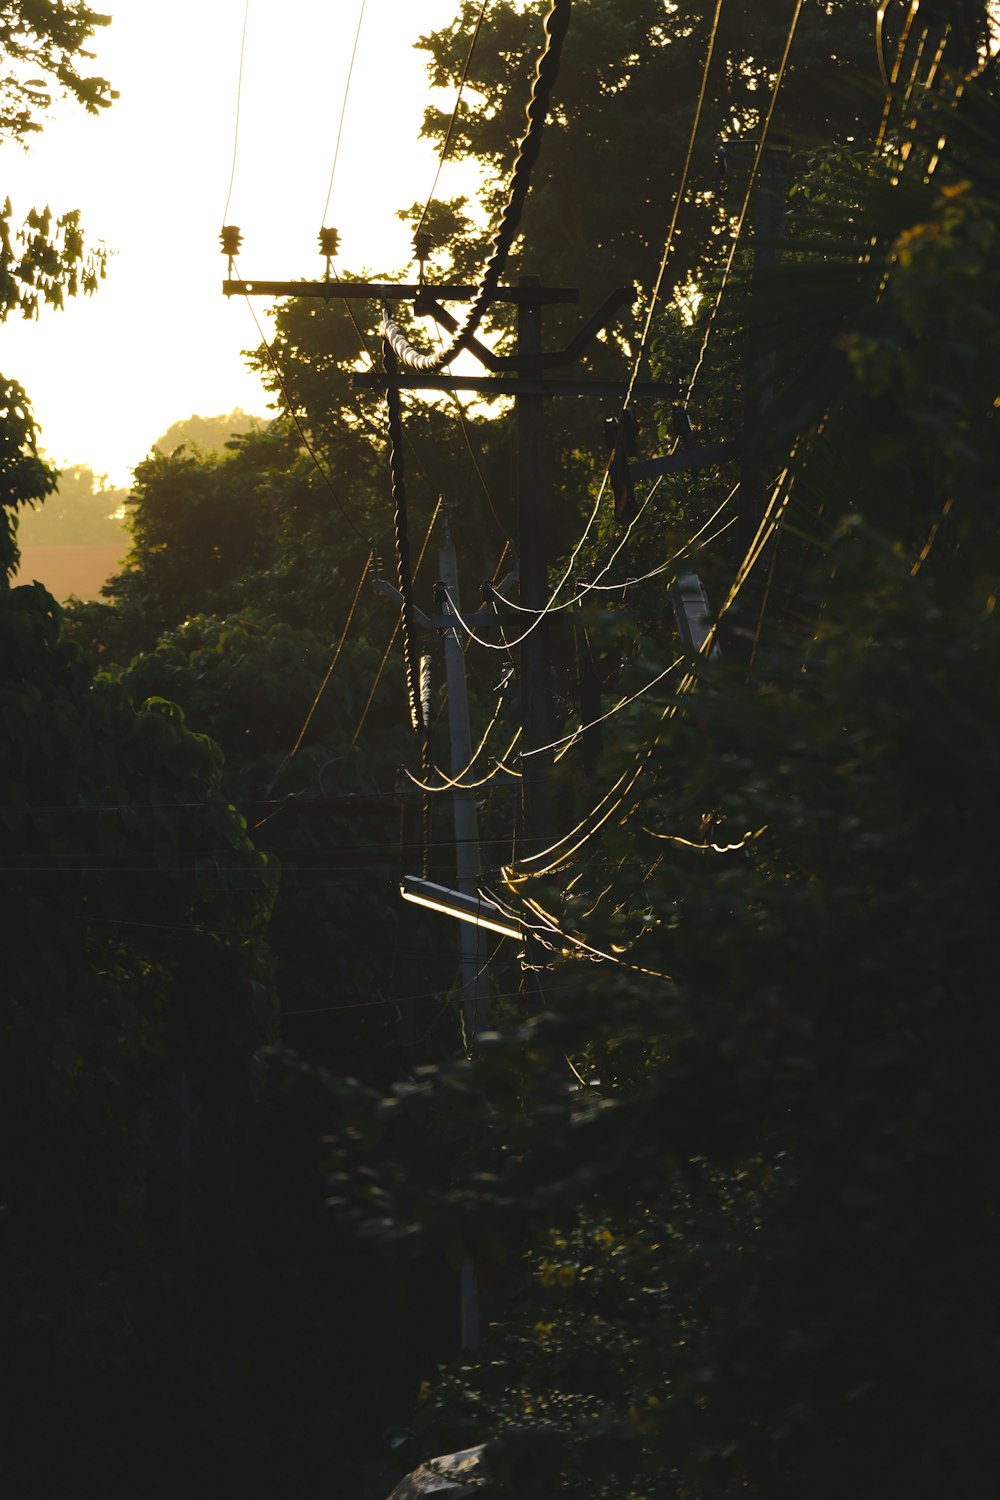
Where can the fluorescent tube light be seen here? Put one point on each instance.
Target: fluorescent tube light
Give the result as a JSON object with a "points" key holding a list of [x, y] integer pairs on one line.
{"points": [[475, 909]]}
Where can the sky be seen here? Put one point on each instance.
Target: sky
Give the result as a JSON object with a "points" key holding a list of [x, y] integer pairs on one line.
{"points": [[158, 341]]}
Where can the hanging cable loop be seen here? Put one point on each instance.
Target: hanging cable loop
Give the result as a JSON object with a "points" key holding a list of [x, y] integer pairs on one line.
{"points": [[546, 73]]}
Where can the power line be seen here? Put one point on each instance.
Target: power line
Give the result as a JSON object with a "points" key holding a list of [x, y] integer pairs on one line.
{"points": [[678, 200], [343, 112], [458, 779], [583, 589], [329, 673], [746, 201], [239, 96], [454, 115], [569, 740]]}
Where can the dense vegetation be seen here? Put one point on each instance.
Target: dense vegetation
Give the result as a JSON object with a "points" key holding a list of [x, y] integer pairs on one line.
{"points": [[724, 1168]]}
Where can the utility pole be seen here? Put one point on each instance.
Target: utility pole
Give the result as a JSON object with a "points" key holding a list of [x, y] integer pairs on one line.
{"points": [[475, 988], [536, 675], [476, 1005], [523, 375]]}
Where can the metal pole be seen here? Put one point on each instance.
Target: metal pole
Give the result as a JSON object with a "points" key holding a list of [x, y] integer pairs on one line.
{"points": [[536, 690], [464, 810], [475, 1004]]}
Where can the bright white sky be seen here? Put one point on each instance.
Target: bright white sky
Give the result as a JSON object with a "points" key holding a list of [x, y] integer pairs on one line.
{"points": [[158, 341]]}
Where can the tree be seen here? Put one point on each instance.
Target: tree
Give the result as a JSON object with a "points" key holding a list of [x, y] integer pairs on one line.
{"points": [[47, 38], [44, 43], [758, 1211], [207, 434], [82, 510]]}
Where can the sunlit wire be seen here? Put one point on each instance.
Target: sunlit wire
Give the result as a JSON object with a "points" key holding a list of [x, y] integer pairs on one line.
{"points": [[746, 202], [678, 200], [329, 673], [343, 112], [454, 115], [239, 98]]}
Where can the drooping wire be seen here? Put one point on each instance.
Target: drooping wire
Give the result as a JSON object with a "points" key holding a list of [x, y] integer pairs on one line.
{"points": [[567, 741], [678, 200], [547, 71], [561, 852], [454, 116], [239, 97], [343, 112], [584, 589], [458, 779], [880, 41], [450, 782]]}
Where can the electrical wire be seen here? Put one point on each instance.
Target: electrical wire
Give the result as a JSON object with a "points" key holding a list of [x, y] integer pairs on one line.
{"points": [[746, 201], [468, 786], [553, 927], [563, 849], [454, 115], [583, 589], [458, 779], [628, 583], [678, 200], [239, 97], [343, 112], [569, 740], [880, 41], [329, 673]]}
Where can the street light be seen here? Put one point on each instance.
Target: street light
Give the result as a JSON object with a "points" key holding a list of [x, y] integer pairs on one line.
{"points": [[467, 908]]}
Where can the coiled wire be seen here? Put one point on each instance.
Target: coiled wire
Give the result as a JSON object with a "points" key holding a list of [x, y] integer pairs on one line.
{"points": [[546, 73]]}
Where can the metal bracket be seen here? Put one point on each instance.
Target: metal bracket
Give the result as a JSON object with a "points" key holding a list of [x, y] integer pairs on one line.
{"points": [[684, 458], [624, 296], [505, 385], [377, 291]]}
